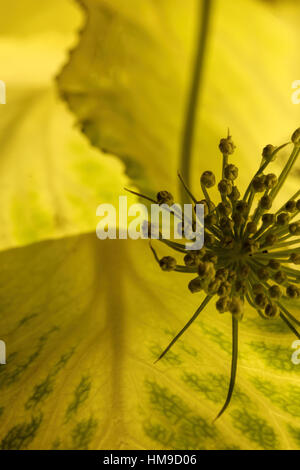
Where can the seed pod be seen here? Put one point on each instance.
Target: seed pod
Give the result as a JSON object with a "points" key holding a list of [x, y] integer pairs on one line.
{"points": [[206, 270], [251, 227], [164, 197], [263, 274], [227, 146], [235, 194], [213, 286], [279, 277], [271, 239], [240, 287], [296, 137], [295, 258], [224, 208], [224, 289], [225, 187], [265, 202], [275, 292], [258, 184], [261, 300], [274, 264], [283, 219], [291, 206], [226, 224], [292, 291], [222, 304], [195, 285], [294, 228], [271, 310], [231, 172], [268, 219], [242, 207], [268, 152], [208, 179], [271, 181], [168, 263], [191, 259]]}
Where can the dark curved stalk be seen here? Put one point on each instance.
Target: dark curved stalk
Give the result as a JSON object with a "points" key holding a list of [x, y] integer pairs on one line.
{"points": [[234, 359], [289, 324], [190, 117], [288, 314], [192, 319]]}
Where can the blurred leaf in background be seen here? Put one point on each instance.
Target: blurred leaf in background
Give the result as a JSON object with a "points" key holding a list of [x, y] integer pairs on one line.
{"points": [[127, 82], [81, 348], [84, 320], [51, 180]]}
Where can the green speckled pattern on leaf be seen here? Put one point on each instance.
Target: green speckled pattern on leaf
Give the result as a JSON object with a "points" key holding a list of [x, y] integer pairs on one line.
{"points": [[80, 364]]}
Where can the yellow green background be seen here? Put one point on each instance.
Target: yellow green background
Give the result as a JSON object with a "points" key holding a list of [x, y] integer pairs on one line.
{"points": [[84, 320]]}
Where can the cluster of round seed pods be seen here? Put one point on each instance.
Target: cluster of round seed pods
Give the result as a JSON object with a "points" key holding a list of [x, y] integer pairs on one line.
{"points": [[251, 252], [242, 258]]}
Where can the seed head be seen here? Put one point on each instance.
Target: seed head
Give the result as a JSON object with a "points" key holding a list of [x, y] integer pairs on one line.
{"points": [[279, 277], [225, 187], [295, 258], [247, 254], [195, 285], [222, 304], [227, 146], [251, 227], [292, 291], [271, 310], [261, 300], [235, 194], [231, 172], [268, 152], [271, 181], [275, 292], [206, 269], [296, 137], [291, 206], [168, 263], [268, 219], [266, 202], [208, 179], [164, 197], [283, 218], [258, 184], [294, 228]]}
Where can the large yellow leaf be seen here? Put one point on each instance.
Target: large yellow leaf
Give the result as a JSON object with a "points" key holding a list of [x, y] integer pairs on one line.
{"points": [[83, 321], [51, 181], [127, 81]]}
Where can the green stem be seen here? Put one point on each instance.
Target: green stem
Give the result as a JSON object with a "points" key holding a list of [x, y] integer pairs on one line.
{"points": [[191, 320], [289, 165], [233, 365], [190, 118], [290, 325]]}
